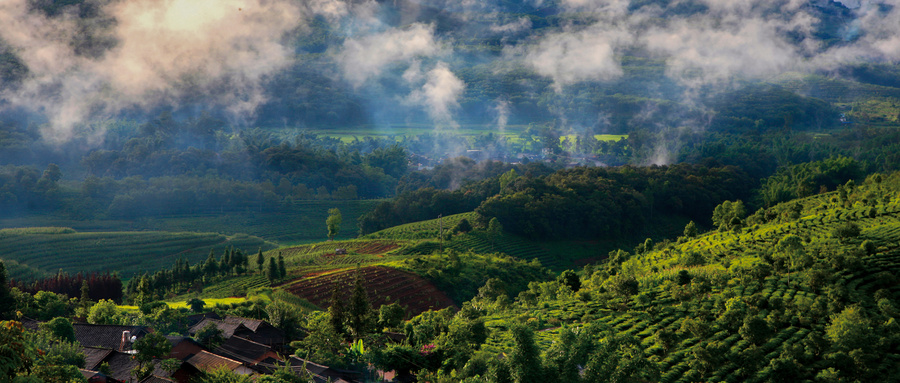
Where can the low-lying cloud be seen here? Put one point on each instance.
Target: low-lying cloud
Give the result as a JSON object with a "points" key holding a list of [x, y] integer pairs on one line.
{"points": [[367, 57], [728, 40], [439, 95], [162, 51]]}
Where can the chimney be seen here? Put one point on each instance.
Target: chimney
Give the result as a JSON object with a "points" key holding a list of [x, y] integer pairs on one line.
{"points": [[126, 337]]}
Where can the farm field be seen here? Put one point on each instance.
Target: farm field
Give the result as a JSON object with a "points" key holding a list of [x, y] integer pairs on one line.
{"points": [[397, 132], [36, 253], [555, 255], [692, 297], [384, 285], [300, 222]]}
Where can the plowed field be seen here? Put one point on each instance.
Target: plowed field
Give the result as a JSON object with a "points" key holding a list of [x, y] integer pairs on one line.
{"points": [[383, 284]]}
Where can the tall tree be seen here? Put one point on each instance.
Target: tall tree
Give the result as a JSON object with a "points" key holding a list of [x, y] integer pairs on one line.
{"points": [[282, 271], [7, 302], [524, 360], [333, 222], [151, 346], [337, 311], [360, 312], [260, 260], [273, 269], [494, 230], [210, 267]]}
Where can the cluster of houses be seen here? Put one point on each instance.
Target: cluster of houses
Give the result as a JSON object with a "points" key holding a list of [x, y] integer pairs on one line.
{"points": [[251, 347]]}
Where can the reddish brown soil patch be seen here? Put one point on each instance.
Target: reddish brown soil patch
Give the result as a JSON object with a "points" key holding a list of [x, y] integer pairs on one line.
{"points": [[376, 248], [383, 284]]}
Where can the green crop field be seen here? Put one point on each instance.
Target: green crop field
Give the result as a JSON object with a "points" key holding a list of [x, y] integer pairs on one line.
{"points": [[686, 311], [299, 222], [396, 132], [38, 252]]}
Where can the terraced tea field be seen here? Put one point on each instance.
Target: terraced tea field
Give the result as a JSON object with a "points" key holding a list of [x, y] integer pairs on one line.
{"points": [[298, 222], [429, 229], [35, 253], [684, 325]]}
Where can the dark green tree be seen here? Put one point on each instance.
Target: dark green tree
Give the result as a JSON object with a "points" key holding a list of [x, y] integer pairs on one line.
{"points": [[524, 360], [569, 278], [333, 222], [7, 302], [729, 215], [494, 230], [210, 336], [210, 266], [690, 230], [196, 304], [282, 271], [846, 230], [84, 303], [391, 316], [273, 269], [60, 328], [755, 330], [338, 311], [463, 226], [260, 260], [360, 311], [151, 346], [620, 359]]}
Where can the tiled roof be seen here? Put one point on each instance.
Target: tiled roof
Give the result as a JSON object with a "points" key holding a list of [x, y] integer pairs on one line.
{"points": [[97, 377], [205, 361], [105, 336], [243, 349], [196, 318], [121, 365], [322, 374], [183, 347], [156, 379], [93, 356], [30, 323], [228, 329], [252, 324]]}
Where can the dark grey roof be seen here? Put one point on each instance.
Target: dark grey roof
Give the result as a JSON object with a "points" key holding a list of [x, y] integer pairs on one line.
{"points": [[97, 377], [321, 373], [106, 336], [156, 379], [242, 349], [93, 356], [228, 329], [196, 318], [205, 361], [121, 364], [254, 329]]}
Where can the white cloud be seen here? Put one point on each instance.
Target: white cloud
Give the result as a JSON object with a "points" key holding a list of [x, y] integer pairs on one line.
{"points": [[570, 57], [368, 56], [439, 95], [164, 49]]}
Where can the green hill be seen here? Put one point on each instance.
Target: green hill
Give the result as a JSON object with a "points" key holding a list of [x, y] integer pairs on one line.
{"points": [[806, 290]]}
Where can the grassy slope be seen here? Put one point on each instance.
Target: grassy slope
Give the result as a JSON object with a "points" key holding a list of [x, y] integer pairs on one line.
{"points": [[661, 307], [555, 255], [42, 247], [37, 254], [301, 222]]}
